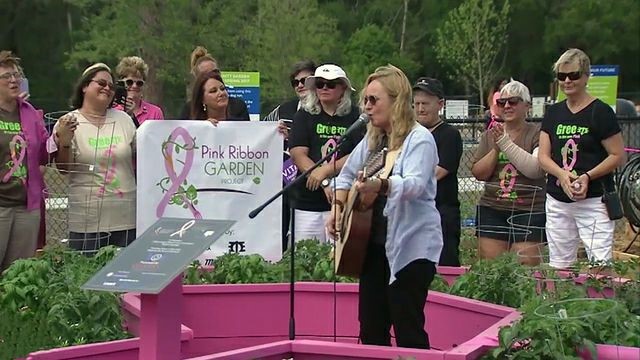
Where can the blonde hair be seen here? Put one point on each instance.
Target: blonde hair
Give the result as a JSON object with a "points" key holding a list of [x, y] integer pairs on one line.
{"points": [[403, 118], [516, 88], [311, 103], [131, 66], [574, 56], [199, 55]]}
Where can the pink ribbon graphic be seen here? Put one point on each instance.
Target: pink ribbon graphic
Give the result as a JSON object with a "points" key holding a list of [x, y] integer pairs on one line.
{"points": [[18, 142], [569, 156], [177, 179], [109, 163], [327, 147], [570, 148], [509, 173]]}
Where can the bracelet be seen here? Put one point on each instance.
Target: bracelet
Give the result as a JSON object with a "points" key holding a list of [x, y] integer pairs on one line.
{"points": [[384, 186], [588, 176]]}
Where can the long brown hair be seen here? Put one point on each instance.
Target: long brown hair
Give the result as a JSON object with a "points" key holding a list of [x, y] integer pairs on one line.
{"points": [[403, 118], [197, 111]]}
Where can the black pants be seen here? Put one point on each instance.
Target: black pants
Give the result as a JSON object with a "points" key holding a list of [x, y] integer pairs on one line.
{"points": [[450, 221], [92, 242], [401, 303]]}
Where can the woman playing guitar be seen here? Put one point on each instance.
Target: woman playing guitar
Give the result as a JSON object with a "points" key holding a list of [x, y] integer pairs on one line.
{"points": [[406, 236]]}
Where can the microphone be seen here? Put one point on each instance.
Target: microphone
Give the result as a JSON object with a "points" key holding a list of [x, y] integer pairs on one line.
{"points": [[356, 127]]}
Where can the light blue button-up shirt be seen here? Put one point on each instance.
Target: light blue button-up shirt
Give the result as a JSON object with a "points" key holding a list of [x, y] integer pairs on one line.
{"points": [[413, 222]]}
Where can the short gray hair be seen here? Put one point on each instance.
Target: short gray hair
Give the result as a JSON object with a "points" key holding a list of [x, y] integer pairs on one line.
{"points": [[516, 88]]}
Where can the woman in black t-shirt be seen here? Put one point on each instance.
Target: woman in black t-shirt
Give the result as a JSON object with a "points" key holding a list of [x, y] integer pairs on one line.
{"points": [[580, 147], [326, 113]]}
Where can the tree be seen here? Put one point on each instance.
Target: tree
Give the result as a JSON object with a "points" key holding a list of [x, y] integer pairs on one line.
{"points": [[471, 41], [372, 46], [285, 32]]}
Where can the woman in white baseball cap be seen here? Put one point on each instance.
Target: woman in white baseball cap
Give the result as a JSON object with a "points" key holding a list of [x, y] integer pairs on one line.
{"points": [[326, 113]]}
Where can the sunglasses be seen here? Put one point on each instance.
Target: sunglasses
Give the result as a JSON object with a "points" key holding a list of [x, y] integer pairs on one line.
{"points": [[331, 84], [370, 100], [573, 76], [513, 101], [296, 82], [130, 82], [104, 83]]}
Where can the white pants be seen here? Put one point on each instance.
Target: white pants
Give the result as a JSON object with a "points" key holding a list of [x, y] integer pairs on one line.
{"points": [[311, 225], [568, 223]]}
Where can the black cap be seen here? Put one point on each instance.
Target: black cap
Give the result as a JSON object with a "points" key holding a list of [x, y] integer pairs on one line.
{"points": [[431, 86]]}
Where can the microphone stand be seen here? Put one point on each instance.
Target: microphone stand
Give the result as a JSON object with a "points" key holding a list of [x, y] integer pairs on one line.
{"points": [[256, 211]]}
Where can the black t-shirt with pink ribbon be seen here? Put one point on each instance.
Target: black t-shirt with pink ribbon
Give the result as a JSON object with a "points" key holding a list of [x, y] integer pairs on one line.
{"points": [[13, 160], [576, 142], [319, 133]]}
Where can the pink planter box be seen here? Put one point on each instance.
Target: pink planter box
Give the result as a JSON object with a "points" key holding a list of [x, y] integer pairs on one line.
{"points": [[229, 317], [451, 273], [111, 350]]}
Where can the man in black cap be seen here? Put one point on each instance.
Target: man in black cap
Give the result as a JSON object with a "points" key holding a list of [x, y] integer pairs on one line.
{"points": [[428, 100]]}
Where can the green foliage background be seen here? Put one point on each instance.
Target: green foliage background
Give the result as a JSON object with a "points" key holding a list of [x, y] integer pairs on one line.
{"points": [[58, 38]]}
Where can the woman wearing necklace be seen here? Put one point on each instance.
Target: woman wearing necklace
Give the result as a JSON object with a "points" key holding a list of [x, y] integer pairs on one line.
{"points": [[22, 151], [510, 214], [210, 100], [96, 144], [580, 147]]}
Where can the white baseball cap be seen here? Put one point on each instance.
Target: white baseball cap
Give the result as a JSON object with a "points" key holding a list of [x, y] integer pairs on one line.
{"points": [[328, 72]]}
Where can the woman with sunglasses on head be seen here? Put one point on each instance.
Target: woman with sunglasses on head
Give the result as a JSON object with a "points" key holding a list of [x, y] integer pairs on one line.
{"points": [[23, 138], [210, 100], [580, 147], [326, 113], [132, 72], [406, 236], [96, 144], [510, 213], [203, 62]]}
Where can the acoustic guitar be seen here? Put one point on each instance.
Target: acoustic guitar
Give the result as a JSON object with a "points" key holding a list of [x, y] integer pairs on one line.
{"points": [[354, 222]]}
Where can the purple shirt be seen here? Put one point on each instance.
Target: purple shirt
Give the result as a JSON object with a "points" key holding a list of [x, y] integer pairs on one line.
{"points": [[148, 111], [36, 135]]}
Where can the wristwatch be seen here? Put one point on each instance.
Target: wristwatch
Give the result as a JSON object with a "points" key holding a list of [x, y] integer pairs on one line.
{"points": [[326, 182]]}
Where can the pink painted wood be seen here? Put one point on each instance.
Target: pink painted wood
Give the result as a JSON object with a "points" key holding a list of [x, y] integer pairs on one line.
{"points": [[160, 322]]}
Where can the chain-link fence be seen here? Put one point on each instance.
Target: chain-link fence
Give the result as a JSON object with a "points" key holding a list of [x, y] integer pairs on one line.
{"points": [[470, 127], [470, 190]]}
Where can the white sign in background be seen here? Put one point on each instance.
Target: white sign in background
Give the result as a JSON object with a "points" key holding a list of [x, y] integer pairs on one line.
{"points": [[191, 169]]}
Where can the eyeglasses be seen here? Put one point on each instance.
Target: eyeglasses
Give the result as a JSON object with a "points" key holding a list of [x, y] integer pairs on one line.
{"points": [[130, 82], [573, 76], [330, 84], [370, 100], [15, 74], [104, 83], [296, 82], [513, 101]]}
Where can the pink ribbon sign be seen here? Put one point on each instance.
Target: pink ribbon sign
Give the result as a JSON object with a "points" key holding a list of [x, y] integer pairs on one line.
{"points": [[17, 146], [177, 179]]}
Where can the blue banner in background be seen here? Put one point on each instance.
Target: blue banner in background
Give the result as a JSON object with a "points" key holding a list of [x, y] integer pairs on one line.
{"points": [[246, 86]]}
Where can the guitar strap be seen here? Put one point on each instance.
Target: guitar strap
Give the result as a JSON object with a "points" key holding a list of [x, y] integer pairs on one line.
{"points": [[390, 161]]}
